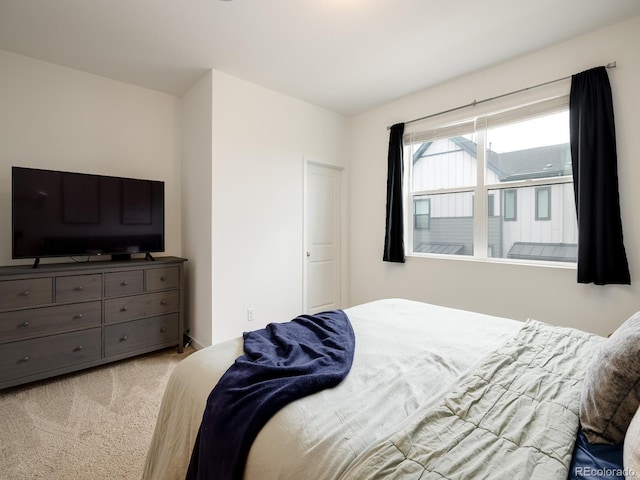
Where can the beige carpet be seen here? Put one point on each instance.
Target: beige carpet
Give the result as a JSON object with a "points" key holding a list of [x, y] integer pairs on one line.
{"points": [[95, 424]]}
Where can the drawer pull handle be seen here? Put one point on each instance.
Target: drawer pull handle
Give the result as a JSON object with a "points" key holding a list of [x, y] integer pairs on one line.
{"points": [[163, 329], [78, 348], [163, 278], [124, 338], [25, 323], [123, 309], [25, 358], [26, 293], [79, 316], [163, 302], [79, 288], [124, 283]]}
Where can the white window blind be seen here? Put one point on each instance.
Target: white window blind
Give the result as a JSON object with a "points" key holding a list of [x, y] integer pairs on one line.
{"points": [[453, 130], [468, 126], [532, 110]]}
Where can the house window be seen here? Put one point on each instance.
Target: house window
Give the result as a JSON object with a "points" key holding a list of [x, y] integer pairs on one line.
{"points": [[484, 187], [543, 203], [510, 205], [491, 205], [422, 209]]}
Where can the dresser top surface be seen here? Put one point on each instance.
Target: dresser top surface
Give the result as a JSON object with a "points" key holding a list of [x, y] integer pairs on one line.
{"points": [[99, 265]]}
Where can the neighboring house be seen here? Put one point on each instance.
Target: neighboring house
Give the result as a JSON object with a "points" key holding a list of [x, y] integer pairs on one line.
{"points": [[535, 223]]}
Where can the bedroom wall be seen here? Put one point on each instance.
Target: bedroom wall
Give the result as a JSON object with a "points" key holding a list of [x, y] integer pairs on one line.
{"points": [[259, 140], [63, 119], [197, 206], [548, 294]]}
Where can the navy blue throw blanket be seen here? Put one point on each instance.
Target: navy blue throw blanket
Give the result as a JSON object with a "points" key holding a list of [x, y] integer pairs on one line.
{"points": [[282, 363]]}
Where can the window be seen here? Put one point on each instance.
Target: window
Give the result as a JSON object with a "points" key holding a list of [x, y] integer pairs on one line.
{"points": [[491, 206], [496, 186], [511, 205], [543, 203], [422, 209]]}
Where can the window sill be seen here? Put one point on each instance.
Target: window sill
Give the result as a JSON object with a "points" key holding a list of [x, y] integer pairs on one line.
{"points": [[503, 261]]}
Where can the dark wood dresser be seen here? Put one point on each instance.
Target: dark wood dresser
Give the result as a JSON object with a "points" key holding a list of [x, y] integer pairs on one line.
{"points": [[59, 318]]}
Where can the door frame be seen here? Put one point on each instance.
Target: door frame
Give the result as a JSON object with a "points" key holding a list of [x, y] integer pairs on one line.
{"points": [[344, 291]]}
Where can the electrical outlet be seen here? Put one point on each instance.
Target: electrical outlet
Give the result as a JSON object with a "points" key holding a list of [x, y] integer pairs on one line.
{"points": [[250, 315]]}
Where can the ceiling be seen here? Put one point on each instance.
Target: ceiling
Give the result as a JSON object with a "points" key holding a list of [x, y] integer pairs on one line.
{"points": [[345, 55]]}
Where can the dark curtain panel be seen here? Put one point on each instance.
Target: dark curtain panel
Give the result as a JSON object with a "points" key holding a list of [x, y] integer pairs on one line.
{"points": [[601, 256], [394, 231]]}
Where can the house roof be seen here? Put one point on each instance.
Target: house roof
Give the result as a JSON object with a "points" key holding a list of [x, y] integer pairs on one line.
{"points": [[441, 248], [558, 252], [548, 161]]}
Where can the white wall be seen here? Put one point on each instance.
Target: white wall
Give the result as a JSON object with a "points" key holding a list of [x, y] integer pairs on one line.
{"points": [[259, 140], [197, 207], [233, 184], [549, 294], [62, 119]]}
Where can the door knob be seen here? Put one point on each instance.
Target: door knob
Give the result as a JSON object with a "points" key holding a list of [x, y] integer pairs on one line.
{"points": [[308, 254]]}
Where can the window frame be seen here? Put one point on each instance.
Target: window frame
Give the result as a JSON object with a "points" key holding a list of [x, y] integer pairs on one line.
{"points": [[481, 190]]}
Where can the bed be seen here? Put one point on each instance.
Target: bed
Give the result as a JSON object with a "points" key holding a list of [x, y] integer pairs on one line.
{"points": [[432, 393]]}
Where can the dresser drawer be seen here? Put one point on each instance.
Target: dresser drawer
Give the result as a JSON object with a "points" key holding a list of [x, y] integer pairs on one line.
{"points": [[123, 283], [141, 334], [78, 287], [46, 320], [25, 293], [28, 357], [146, 305], [162, 278]]}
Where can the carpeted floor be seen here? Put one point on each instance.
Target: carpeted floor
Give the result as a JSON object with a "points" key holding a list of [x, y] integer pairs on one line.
{"points": [[95, 424]]}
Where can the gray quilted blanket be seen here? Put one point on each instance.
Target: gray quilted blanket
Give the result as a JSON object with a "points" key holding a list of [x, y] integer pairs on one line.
{"points": [[515, 417]]}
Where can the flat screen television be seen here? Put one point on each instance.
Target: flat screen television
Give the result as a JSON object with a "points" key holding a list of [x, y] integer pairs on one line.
{"points": [[57, 213]]}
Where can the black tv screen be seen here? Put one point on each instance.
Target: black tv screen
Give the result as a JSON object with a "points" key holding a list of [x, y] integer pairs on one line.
{"points": [[58, 213]]}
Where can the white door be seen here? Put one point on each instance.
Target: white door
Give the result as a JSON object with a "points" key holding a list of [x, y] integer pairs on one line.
{"points": [[323, 237]]}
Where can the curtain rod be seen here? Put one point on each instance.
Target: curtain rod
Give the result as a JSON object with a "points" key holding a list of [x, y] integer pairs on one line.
{"points": [[478, 102]]}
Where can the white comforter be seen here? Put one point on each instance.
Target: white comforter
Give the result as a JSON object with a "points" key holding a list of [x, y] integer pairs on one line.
{"points": [[408, 355], [515, 417]]}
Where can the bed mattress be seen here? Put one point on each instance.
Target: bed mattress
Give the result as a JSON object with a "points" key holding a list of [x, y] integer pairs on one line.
{"points": [[408, 356]]}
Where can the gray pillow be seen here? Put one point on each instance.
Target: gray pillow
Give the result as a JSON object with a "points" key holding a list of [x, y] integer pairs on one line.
{"points": [[631, 449], [611, 391]]}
